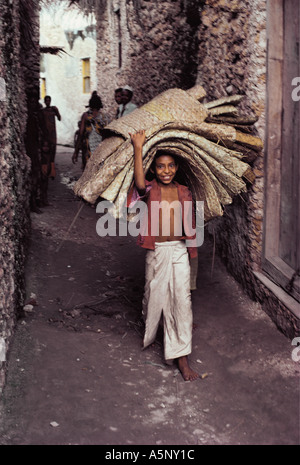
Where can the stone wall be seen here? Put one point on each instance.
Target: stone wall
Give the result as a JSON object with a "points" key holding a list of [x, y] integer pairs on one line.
{"points": [[232, 60], [15, 68], [151, 46]]}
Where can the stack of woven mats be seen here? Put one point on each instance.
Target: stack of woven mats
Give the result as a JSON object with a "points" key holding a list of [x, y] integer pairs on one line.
{"points": [[213, 141]]}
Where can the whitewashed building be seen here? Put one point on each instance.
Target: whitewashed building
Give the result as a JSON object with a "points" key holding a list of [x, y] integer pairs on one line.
{"points": [[69, 77]]}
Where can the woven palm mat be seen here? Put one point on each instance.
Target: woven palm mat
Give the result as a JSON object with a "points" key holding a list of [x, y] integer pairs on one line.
{"points": [[212, 140]]}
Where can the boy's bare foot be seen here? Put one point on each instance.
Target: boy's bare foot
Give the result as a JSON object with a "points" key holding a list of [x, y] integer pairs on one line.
{"points": [[187, 373]]}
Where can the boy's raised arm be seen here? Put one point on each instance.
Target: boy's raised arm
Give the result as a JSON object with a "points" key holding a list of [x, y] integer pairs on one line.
{"points": [[138, 140]]}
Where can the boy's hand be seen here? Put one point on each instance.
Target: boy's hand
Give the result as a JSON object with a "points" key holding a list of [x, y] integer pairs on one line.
{"points": [[138, 139]]}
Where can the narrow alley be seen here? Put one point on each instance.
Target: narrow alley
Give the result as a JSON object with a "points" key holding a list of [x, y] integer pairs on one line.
{"points": [[76, 371]]}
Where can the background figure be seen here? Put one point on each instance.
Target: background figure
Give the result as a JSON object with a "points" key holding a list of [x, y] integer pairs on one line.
{"points": [[92, 95], [118, 99], [49, 113], [81, 142], [32, 145], [126, 106], [92, 121]]}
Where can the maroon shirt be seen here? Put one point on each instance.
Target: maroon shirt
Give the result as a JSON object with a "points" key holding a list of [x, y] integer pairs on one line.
{"points": [[153, 193]]}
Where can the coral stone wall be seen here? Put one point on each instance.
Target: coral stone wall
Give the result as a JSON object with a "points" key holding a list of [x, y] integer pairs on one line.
{"points": [[232, 60], [14, 172], [152, 46]]}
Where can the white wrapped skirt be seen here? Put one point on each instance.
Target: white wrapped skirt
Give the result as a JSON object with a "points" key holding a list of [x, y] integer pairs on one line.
{"points": [[167, 293]]}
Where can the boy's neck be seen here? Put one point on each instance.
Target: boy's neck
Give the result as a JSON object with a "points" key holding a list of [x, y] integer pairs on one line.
{"points": [[163, 186]]}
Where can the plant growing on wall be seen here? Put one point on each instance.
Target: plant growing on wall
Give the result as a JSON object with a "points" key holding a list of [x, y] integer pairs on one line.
{"points": [[88, 6]]}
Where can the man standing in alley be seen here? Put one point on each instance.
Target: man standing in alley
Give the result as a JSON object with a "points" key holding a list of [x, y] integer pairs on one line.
{"points": [[49, 113], [126, 106]]}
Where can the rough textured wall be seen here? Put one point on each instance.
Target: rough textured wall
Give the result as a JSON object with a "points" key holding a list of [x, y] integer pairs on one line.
{"points": [[14, 169], [232, 60], [149, 45]]}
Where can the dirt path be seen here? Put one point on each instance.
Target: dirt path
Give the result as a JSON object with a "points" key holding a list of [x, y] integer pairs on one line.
{"points": [[76, 371]]}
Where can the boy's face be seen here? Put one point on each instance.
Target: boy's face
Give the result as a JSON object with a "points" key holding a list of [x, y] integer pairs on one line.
{"points": [[165, 169]]}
